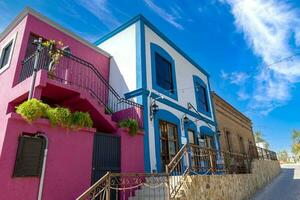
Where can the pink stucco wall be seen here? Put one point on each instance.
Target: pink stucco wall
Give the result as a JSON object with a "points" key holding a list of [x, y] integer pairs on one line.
{"points": [[132, 151], [69, 162]]}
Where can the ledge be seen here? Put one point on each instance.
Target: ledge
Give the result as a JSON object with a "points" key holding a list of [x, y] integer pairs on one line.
{"points": [[44, 122]]}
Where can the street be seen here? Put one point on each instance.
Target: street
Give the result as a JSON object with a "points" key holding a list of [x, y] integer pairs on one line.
{"points": [[284, 187]]}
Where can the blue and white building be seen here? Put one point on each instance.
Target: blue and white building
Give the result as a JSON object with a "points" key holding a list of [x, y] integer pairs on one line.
{"points": [[174, 90]]}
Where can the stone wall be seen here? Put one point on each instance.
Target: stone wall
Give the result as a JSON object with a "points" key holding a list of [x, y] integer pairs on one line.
{"points": [[234, 186]]}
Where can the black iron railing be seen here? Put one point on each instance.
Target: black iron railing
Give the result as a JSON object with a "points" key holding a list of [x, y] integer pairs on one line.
{"points": [[74, 71], [262, 153]]}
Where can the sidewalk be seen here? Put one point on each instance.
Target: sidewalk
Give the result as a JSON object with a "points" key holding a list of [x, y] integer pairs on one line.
{"points": [[284, 187]]}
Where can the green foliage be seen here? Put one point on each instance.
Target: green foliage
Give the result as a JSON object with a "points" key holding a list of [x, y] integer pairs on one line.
{"points": [[283, 156], [296, 144], [32, 110], [258, 136], [80, 120], [131, 124], [59, 116]]}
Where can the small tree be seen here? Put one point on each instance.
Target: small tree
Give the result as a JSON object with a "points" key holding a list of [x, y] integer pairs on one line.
{"points": [[296, 144], [283, 156], [258, 136]]}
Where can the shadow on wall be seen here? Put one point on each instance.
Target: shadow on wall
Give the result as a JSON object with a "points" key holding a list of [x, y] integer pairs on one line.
{"points": [[116, 79]]}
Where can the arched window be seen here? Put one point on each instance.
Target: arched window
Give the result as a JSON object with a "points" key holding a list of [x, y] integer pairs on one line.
{"points": [[163, 72], [201, 94]]}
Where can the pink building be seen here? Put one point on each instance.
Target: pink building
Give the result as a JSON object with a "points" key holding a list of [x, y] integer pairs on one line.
{"points": [[75, 159]]}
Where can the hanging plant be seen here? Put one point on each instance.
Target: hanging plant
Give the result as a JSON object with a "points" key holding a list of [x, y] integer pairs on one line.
{"points": [[55, 53], [131, 124]]}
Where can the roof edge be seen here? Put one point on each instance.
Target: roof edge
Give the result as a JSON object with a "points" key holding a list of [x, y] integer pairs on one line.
{"points": [[157, 31], [29, 11], [218, 96]]}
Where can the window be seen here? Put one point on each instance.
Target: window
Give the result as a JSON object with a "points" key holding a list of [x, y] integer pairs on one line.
{"points": [[5, 55], [242, 146], [168, 142], [201, 94], [30, 155], [209, 141], [192, 138], [163, 73], [227, 135], [202, 97]]}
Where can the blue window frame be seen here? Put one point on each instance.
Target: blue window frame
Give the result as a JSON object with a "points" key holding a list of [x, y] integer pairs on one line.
{"points": [[201, 94], [163, 72]]}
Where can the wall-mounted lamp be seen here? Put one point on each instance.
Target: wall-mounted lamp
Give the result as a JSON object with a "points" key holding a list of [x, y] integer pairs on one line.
{"points": [[185, 119], [153, 109]]}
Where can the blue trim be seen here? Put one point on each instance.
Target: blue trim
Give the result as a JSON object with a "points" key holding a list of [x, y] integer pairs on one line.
{"points": [[136, 93], [145, 93], [181, 108], [163, 53], [168, 117], [199, 81], [159, 33], [206, 131]]}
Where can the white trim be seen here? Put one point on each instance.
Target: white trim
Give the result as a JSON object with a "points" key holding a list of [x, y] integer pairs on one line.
{"points": [[13, 40]]}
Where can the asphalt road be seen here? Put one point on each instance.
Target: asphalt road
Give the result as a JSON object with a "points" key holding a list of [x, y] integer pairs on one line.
{"points": [[286, 186]]}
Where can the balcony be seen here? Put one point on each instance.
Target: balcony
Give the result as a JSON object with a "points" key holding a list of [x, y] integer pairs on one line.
{"points": [[79, 85]]}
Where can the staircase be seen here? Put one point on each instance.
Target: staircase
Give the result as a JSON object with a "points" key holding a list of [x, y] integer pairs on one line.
{"points": [[83, 84], [190, 161]]}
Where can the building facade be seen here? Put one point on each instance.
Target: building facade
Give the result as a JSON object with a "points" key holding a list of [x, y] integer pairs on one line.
{"points": [[80, 82], [173, 89], [235, 129]]}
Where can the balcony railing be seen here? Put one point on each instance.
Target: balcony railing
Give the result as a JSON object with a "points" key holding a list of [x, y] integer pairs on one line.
{"points": [[261, 153], [78, 73]]}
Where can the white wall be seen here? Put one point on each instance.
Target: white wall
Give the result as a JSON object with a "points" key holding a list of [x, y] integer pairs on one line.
{"points": [[122, 47], [184, 71]]}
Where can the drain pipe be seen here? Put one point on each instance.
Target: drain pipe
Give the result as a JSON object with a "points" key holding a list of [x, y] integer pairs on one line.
{"points": [[41, 185]]}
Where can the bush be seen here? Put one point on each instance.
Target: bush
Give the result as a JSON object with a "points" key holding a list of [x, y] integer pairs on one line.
{"points": [[80, 120], [32, 110], [131, 124], [59, 116]]}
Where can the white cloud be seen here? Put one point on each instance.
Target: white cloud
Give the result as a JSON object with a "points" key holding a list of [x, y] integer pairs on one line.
{"points": [[237, 78], [171, 18], [269, 26], [242, 95], [102, 10]]}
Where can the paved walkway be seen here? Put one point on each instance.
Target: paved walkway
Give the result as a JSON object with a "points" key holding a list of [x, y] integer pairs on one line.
{"points": [[284, 187]]}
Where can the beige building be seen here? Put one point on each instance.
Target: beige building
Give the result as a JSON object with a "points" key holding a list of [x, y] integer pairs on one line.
{"points": [[235, 128]]}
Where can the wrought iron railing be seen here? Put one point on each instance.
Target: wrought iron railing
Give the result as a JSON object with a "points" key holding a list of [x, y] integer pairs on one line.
{"points": [[262, 153], [115, 186], [190, 160], [76, 72], [177, 170]]}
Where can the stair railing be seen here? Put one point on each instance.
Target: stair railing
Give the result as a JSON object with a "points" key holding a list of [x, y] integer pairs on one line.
{"points": [[77, 72], [99, 190], [177, 170]]}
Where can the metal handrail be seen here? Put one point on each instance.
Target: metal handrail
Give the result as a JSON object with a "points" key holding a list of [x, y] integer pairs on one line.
{"points": [[101, 185], [88, 77]]}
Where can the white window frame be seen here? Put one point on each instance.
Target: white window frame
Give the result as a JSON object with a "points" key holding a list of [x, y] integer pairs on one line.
{"points": [[13, 40]]}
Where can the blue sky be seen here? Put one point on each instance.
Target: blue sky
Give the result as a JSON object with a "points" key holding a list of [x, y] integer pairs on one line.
{"points": [[234, 40]]}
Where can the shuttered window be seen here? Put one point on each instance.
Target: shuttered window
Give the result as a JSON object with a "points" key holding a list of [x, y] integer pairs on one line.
{"points": [[30, 154]]}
